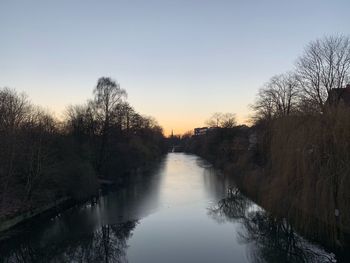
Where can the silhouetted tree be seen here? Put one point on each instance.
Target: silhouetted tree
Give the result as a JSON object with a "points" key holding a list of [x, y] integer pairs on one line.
{"points": [[279, 97], [108, 95], [222, 120], [272, 239], [14, 114], [324, 65], [42, 160]]}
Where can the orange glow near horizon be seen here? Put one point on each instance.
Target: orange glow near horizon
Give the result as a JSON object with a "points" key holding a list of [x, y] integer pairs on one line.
{"points": [[178, 121], [181, 126]]}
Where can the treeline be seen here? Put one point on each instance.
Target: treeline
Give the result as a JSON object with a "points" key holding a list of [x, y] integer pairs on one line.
{"points": [[223, 142], [295, 159], [305, 120], [43, 159]]}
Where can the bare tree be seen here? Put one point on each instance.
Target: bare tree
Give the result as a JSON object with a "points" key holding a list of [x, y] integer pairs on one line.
{"points": [[228, 120], [14, 109], [279, 97], [14, 113], [324, 65], [122, 115], [81, 121], [108, 95], [222, 120], [39, 131], [263, 107], [284, 89], [214, 120]]}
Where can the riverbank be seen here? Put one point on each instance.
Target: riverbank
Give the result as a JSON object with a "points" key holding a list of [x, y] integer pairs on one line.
{"points": [[274, 164], [27, 214], [43, 159], [314, 229], [182, 206], [48, 209]]}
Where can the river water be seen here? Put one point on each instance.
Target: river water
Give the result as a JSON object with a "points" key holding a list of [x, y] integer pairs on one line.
{"points": [[182, 211]]}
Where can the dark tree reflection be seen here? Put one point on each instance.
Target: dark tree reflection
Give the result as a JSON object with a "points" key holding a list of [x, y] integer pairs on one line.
{"points": [[269, 239], [107, 244], [231, 208]]}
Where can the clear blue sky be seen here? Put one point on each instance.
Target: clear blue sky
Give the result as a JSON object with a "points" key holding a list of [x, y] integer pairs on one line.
{"points": [[179, 61]]}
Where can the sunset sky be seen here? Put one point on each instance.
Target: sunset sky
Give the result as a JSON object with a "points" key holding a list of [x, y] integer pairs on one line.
{"points": [[179, 61]]}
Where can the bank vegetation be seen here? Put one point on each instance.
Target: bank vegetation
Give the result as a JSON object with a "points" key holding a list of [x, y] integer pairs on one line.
{"points": [[295, 158], [43, 159]]}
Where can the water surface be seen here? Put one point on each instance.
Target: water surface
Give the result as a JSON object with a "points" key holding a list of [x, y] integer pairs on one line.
{"points": [[182, 211]]}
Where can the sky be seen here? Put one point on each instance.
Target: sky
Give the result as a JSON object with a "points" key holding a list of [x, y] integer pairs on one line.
{"points": [[179, 61]]}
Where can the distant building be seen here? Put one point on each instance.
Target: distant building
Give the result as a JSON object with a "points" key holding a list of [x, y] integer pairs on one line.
{"points": [[339, 96], [201, 131]]}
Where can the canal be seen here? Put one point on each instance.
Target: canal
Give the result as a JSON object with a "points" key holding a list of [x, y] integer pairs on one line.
{"points": [[184, 210]]}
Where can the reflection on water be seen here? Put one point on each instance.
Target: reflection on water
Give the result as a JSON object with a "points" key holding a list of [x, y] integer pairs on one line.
{"points": [[179, 212], [106, 244], [269, 239]]}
